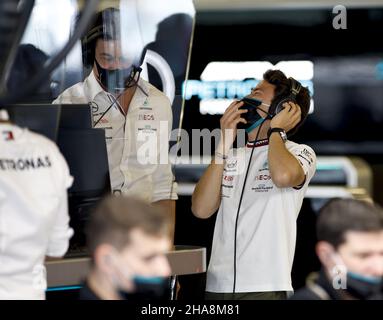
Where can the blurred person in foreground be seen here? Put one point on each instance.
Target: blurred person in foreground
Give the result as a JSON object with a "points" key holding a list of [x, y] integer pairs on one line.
{"points": [[34, 220], [350, 249], [128, 240]]}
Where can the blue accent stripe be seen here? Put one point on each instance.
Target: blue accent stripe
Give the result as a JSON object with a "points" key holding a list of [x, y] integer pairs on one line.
{"points": [[64, 288], [329, 167], [254, 125], [368, 279], [149, 280]]}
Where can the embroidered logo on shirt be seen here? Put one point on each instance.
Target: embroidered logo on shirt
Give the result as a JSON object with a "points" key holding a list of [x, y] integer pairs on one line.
{"points": [[262, 188], [263, 177], [8, 135], [25, 164], [146, 117], [95, 107], [232, 164], [147, 128], [265, 166]]}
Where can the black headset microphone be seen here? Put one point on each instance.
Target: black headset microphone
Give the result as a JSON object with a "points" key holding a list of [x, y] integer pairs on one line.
{"points": [[130, 82], [275, 108]]}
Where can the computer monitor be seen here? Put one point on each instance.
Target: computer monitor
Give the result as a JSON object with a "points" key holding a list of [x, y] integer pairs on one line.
{"points": [[39, 118], [84, 148], [86, 154], [76, 116]]}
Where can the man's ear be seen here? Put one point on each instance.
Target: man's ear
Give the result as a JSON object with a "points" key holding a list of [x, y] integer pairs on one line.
{"points": [[325, 252], [104, 258]]}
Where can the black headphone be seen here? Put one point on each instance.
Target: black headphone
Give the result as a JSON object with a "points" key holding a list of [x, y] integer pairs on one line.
{"points": [[295, 88], [105, 26]]}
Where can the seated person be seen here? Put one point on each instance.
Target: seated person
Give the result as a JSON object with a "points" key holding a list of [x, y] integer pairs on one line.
{"points": [[137, 117], [350, 248], [127, 239], [34, 220]]}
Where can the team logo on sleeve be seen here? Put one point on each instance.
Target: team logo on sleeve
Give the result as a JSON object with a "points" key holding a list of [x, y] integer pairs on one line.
{"points": [[307, 156]]}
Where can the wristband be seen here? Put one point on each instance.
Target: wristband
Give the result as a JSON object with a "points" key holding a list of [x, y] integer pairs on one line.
{"points": [[280, 131]]}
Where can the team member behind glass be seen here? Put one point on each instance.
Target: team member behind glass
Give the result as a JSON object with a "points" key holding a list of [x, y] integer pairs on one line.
{"points": [[130, 110], [258, 192], [350, 248], [127, 239]]}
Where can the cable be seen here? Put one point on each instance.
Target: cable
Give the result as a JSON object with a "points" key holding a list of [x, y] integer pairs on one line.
{"points": [[239, 208], [131, 83]]}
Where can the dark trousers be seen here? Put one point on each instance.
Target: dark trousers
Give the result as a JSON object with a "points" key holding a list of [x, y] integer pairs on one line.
{"points": [[271, 295]]}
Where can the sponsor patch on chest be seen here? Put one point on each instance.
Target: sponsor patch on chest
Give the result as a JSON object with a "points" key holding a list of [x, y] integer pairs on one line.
{"points": [[146, 116]]}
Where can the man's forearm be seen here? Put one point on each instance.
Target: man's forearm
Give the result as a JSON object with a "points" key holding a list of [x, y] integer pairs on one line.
{"points": [[207, 193], [285, 169], [170, 207]]}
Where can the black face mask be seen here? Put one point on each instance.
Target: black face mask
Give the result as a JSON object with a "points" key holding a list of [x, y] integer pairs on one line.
{"points": [[363, 288], [253, 118], [116, 80], [152, 288]]}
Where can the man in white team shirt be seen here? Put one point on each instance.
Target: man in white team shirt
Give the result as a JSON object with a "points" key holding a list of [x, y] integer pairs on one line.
{"points": [[258, 190], [34, 220], [131, 111]]}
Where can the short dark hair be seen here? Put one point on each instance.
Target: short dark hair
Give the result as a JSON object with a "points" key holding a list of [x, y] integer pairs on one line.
{"points": [[115, 218], [339, 216], [283, 90]]}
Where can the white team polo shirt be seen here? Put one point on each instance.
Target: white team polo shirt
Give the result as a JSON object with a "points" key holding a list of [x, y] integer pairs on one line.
{"points": [[34, 220], [266, 231], [138, 143]]}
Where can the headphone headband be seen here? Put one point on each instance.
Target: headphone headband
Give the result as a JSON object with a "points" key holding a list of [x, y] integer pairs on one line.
{"points": [[295, 87], [93, 34]]}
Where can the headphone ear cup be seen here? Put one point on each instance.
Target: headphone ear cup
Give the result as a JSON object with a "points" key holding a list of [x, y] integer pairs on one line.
{"points": [[295, 89], [88, 53], [280, 106]]}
